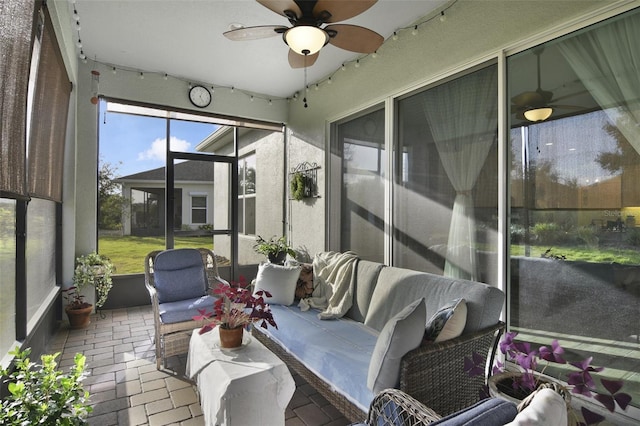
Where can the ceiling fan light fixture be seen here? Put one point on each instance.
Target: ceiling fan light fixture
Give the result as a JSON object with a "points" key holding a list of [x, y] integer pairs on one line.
{"points": [[305, 39], [538, 114]]}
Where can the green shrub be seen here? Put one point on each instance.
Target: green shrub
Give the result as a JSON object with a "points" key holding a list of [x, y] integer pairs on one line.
{"points": [[633, 237], [588, 235], [517, 233], [548, 233], [41, 394]]}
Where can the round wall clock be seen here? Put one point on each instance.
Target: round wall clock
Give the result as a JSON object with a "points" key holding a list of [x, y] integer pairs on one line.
{"points": [[200, 96]]}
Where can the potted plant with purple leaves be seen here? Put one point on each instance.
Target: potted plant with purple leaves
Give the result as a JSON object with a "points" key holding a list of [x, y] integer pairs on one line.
{"points": [[531, 364], [234, 310]]}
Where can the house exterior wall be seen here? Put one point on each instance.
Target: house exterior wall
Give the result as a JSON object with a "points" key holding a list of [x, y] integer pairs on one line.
{"points": [[188, 189], [269, 149]]}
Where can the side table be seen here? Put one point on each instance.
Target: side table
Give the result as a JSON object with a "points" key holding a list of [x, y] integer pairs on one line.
{"points": [[244, 386]]}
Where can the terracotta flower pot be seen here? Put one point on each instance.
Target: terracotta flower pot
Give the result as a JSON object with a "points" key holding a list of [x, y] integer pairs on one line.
{"points": [[80, 317], [230, 337]]}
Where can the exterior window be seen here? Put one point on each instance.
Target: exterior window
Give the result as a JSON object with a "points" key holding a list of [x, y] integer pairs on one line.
{"points": [[132, 195], [360, 164], [8, 282], [445, 183], [575, 198], [198, 209], [247, 195]]}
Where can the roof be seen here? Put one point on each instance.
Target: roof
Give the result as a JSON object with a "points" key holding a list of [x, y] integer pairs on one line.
{"points": [[184, 171]]}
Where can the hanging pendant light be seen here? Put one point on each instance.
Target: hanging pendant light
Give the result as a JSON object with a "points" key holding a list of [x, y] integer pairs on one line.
{"points": [[538, 114], [305, 39]]}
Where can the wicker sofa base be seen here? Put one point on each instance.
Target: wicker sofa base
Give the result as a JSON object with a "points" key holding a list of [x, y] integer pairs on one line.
{"points": [[432, 373], [346, 407]]}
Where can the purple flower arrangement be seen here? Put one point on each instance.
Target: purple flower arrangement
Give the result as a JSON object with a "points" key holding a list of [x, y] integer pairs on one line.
{"points": [[580, 381]]}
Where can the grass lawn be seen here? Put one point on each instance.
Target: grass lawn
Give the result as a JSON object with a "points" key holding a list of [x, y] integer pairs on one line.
{"points": [[623, 256], [127, 252]]}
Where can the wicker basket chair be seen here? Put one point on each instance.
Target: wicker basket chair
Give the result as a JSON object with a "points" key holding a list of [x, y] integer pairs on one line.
{"points": [[393, 407], [179, 282]]}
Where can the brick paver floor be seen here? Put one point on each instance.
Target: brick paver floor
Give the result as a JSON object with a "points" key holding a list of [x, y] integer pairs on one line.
{"points": [[126, 389]]}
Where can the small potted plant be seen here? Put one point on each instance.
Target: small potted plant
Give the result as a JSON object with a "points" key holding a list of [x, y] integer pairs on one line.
{"points": [[236, 308], [41, 394], [276, 249], [92, 269]]}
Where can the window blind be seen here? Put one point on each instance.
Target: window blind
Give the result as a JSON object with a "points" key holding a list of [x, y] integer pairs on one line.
{"points": [[16, 29]]}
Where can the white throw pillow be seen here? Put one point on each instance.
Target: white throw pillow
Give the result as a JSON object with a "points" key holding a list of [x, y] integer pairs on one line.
{"points": [[401, 334], [280, 281], [547, 408], [448, 322]]}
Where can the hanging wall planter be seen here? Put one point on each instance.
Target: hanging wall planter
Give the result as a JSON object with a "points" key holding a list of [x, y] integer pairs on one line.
{"points": [[303, 181]]}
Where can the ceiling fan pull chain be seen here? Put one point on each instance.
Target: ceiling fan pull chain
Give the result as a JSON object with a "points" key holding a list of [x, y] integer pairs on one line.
{"points": [[305, 82]]}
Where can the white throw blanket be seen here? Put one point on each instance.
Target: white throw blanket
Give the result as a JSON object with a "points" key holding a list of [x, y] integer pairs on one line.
{"points": [[332, 284]]}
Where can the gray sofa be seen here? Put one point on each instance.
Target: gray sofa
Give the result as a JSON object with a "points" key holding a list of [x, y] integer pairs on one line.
{"points": [[334, 355]]}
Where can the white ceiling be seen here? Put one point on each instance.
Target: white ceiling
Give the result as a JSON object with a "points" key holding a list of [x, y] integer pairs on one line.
{"points": [[183, 38]]}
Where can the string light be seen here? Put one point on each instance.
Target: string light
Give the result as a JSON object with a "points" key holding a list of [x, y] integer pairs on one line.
{"points": [[396, 35], [442, 17]]}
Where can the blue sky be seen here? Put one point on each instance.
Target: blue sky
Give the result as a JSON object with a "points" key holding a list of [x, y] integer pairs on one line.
{"points": [[138, 142]]}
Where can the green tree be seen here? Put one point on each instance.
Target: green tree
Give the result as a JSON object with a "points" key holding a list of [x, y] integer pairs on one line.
{"points": [[110, 199]]}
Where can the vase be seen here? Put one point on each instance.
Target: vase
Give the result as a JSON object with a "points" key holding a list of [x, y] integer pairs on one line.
{"points": [[501, 386], [230, 337], [277, 258], [80, 317]]}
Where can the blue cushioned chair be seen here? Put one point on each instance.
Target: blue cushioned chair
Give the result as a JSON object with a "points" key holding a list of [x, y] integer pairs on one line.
{"points": [[393, 407], [179, 283]]}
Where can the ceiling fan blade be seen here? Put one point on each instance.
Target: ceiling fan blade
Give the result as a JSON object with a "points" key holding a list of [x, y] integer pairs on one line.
{"points": [[355, 38], [572, 107], [253, 33], [299, 61], [341, 10], [279, 6], [527, 99]]}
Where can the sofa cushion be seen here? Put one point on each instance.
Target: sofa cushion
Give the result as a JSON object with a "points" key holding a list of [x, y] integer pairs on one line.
{"points": [[366, 276], [448, 322], [279, 281], [401, 334], [398, 287], [488, 412], [337, 351], [184, 310], [179, 274]]}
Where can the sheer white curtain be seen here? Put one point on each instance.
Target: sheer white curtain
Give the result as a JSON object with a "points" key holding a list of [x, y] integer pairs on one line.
{"points": [[607, 60], [462, 115]]}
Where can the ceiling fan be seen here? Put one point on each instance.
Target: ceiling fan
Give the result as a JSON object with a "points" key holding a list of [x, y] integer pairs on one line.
{"points": [[309, 32], [537, 105]]}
